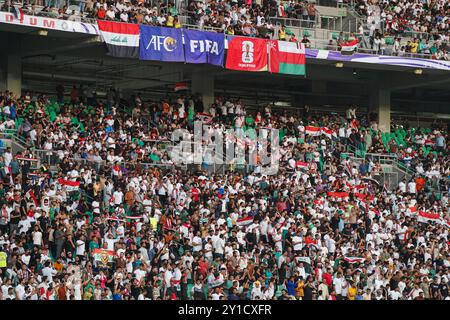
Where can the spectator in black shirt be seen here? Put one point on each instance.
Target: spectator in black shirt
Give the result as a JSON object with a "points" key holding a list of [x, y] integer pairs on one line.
{"points": [[434, 289], [443, 289]]}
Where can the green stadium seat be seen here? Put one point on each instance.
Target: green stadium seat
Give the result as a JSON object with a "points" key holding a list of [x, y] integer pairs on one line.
{"points": [[389, 40]]}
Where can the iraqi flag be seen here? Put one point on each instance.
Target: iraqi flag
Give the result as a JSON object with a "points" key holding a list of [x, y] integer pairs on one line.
{"points": [[354, 259], [122, 39], [302, 165], [181, 86], [243, 222], [70, 185], [103, 257], [349, 48], [204, 117], [312, 131], [338, 196], [327, 132], [446, 223], [364, 196], [427, 217], [287, 57]]}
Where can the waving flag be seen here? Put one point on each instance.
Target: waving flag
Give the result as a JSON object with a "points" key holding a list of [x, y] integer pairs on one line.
{"points": [[122, 39], [103, 256], [338, 196], [204, 117], [428, 217], [348, 48], [354, 259], [313, 131], [327, 132], [70, 185], [18, 13], [244, 221], [181, 86], [287, 57], [31, 197], [413, 209], [446, 223], [363, 196], [302, 165], [26, 158]]}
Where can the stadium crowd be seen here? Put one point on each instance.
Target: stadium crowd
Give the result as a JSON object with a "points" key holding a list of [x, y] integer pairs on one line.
{"points": [[322, 228], [425, 23], [394, 27]]}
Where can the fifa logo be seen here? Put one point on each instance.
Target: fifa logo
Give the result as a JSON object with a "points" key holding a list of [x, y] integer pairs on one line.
{"points": [[247, 51]]}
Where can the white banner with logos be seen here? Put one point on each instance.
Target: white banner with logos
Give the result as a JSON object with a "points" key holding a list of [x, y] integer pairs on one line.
{"points": [[49, 23]]}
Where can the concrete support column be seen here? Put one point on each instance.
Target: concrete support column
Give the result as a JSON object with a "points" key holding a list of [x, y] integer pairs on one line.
{"points": [[203, 84], [11, 73], [380, 102]]}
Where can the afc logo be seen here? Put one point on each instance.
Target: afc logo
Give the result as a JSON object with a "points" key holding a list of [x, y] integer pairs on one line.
{"points": [[247, 51]]}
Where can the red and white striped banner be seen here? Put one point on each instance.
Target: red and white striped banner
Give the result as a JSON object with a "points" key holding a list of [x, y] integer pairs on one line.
{"points": [[354, 259], [26, 158], [125, 218]]}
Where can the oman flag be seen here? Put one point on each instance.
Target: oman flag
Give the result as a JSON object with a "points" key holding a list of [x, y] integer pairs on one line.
{"points": [[287, 57]]}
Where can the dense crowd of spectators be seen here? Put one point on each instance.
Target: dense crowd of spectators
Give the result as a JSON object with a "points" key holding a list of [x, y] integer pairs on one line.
{"points": [[324, 227], [424, 24]]}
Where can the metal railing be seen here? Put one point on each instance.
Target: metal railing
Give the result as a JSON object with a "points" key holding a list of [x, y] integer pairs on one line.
{"points": [[299, 27], [292, 22]]}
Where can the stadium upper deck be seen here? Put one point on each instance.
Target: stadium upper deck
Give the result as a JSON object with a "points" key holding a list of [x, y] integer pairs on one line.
{"points": [[401, 29]]}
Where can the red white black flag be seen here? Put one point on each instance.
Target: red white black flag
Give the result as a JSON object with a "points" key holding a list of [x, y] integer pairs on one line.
{"points": [[122, 39]]}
